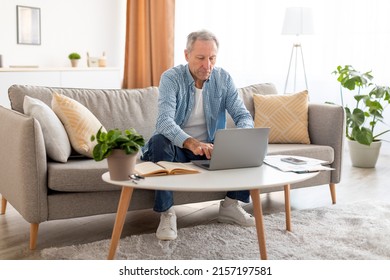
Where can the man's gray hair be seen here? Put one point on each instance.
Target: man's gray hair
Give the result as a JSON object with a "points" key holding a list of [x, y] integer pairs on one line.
{"points": [[202, 35]]}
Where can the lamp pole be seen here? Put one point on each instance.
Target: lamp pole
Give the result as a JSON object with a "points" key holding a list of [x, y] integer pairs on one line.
{"points": [[298, 21], [294, 50]]}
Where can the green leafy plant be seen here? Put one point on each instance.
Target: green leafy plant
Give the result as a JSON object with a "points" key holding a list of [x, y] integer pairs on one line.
{"points": [[74, 56], [129, 141], [362, 118]]}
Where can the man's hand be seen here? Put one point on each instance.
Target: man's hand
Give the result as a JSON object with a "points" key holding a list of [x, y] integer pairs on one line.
{"points": [[198, 148]]}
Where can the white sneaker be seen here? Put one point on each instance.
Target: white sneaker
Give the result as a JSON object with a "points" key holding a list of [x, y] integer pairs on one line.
{"points": [[234, 213], [167, 229]]}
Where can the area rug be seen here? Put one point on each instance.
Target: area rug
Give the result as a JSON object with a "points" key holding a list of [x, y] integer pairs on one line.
{"points": [[357, 231]]}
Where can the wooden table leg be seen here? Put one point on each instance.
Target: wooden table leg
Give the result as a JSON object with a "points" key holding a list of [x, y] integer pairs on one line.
{"points": [[123, 206], [3, 205], [258, 212], [287, 206]]}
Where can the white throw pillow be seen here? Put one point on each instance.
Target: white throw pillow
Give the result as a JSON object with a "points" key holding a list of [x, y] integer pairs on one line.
{"points": [[56, 139], [79, 123]]}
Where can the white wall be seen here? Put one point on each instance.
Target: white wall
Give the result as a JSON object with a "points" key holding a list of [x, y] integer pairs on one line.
{"points": [[67, 26], [253, 50]]}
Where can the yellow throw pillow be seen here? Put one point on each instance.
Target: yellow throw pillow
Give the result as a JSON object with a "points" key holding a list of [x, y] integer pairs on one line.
{"points": [[78, 121], [286, 115]]}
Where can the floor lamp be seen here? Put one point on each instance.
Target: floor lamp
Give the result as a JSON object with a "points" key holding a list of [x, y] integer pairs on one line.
{"points": [[297, 21]]}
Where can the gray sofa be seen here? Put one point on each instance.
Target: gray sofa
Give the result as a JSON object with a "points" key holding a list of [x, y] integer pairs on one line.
{"points": [[43, 190]]}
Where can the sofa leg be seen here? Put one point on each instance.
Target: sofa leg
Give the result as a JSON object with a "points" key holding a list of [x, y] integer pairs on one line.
{"points": [[333, 192], [3, 205], [33, 235]]}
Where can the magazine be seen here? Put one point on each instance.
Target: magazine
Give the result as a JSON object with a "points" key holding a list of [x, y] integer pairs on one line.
{"points": [[305, 164]]}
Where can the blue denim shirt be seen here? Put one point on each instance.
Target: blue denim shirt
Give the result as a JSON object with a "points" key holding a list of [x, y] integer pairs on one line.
{"points": [[177, 97]]}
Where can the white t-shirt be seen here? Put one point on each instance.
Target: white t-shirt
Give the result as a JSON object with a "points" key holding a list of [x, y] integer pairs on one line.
{"points": [[196, 125]]}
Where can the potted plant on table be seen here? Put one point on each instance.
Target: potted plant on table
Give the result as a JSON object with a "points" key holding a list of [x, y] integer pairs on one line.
{"points": [[120, 148], [74, 58], [362, 118]]}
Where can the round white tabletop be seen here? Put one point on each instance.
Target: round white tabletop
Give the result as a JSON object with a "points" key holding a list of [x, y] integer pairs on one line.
{"points": [[219, 180]]}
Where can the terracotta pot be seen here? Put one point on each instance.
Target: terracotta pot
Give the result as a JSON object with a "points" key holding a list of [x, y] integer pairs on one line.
{"points": [[121, 165], [74, 62]]}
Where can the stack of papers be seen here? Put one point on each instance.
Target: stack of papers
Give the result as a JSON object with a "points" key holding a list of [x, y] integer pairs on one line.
{"points": [[310, 165]]}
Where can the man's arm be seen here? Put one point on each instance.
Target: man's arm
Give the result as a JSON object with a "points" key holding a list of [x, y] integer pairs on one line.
{"points": [[167, 106], [236, 107]]}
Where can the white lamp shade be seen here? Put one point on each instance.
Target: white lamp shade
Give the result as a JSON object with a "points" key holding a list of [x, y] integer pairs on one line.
{"points": [[297, 21]]}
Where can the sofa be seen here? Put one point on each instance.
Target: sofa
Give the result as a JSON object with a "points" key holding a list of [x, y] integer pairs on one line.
{"points": [[42, 189]]}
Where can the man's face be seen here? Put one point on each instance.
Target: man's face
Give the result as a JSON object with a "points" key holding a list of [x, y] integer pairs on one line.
{"points": [[201, 60]]}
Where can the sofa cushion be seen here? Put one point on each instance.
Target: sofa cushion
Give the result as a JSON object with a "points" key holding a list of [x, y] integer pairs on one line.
{"points": [[246, 93], [80, 124], [56, 139], [121, 108], [84, 174], [321, 152], [78, 175], [114, 108], [286, 115]]}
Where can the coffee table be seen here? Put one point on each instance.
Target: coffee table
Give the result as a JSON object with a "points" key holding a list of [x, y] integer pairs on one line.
{"points": [[253, 179]]}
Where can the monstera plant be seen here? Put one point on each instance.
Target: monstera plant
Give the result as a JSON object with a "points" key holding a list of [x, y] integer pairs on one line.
{"points": [[370, 100]]}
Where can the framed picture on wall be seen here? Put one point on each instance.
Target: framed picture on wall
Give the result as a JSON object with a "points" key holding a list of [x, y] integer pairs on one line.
{"points": [[28, 25]]}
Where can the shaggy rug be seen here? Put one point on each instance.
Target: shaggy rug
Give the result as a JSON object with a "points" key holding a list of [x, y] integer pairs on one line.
{"points": [[357, 231]]}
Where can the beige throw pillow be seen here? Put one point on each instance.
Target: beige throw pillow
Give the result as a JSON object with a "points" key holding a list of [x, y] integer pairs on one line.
{"points": [[78, 121], [56, 140], [286, 115]]}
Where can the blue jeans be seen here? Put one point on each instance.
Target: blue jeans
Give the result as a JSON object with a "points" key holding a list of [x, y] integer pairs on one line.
{"points": [[160, 148]]}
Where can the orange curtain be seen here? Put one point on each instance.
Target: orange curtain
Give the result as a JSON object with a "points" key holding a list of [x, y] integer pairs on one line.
{"points": [[149, 41]]}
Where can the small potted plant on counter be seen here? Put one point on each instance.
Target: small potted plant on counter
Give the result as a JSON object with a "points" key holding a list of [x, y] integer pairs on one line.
{"points": [[74, 58]]}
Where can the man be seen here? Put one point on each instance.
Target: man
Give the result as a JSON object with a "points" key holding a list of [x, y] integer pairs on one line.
{"points": [[193, 102]]}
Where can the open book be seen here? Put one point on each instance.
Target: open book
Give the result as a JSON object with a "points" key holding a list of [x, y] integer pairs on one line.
{"points": [[149, 168]]}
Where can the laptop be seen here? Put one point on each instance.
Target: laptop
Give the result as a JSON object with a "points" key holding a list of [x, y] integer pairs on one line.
{"points": [[237, 148]]}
